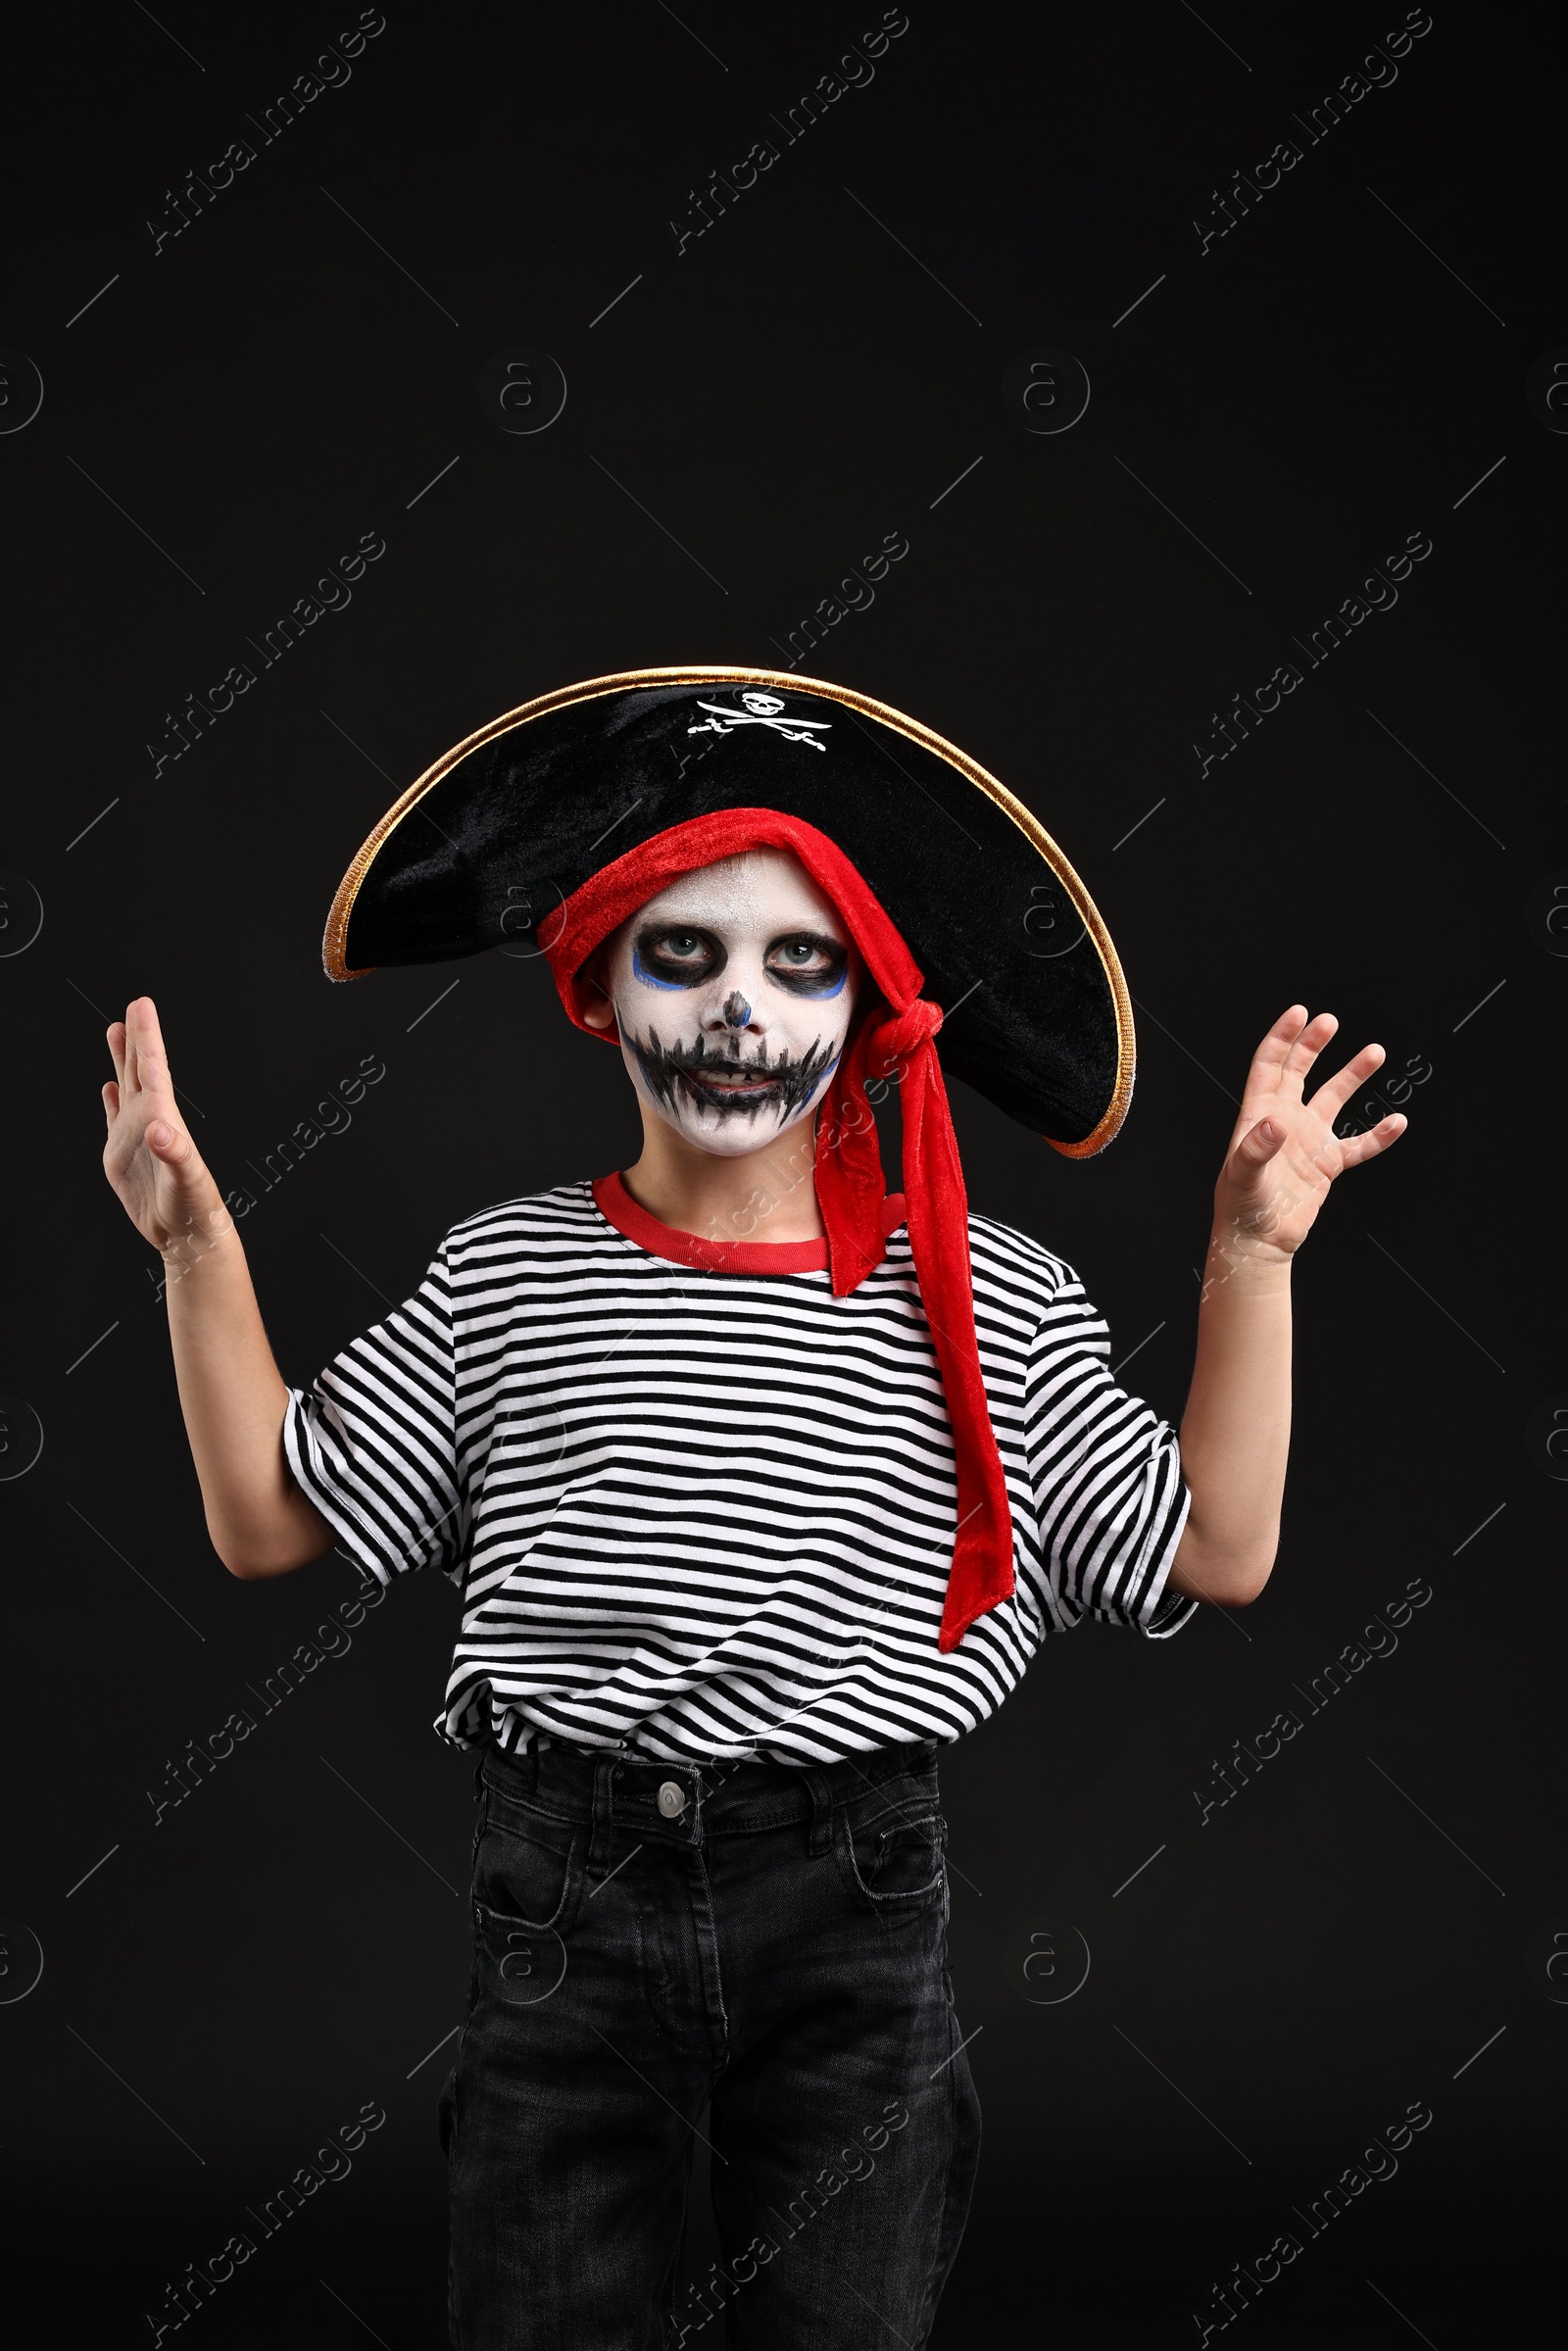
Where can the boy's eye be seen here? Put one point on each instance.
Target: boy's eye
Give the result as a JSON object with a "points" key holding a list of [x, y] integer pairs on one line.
{"points": [[680, 955], [816, 962]]}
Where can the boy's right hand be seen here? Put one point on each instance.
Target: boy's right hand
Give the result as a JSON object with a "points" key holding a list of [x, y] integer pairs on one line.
{"points": [[148, 1156]]}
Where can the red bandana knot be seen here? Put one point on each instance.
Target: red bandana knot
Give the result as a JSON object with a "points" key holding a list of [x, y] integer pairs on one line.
{"points": [[897, 1038]]}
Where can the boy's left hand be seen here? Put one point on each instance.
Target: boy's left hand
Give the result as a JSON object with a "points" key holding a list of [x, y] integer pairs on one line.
{"points": [[1284, 1154]]}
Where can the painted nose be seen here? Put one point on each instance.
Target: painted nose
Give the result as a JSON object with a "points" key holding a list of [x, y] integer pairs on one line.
{"points": [[737, 1011]]}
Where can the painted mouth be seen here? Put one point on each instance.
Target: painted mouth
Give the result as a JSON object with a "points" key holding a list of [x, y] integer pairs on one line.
{"points": [[737, 1081], [728, 1087]]}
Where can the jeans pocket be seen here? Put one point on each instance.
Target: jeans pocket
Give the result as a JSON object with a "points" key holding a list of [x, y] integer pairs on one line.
{"points": [[527, 1877], [895, 1856], [528, 1865], [514, 1960]]}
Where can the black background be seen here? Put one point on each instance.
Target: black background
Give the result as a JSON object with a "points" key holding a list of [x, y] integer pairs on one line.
{"points": [[745, 423]]}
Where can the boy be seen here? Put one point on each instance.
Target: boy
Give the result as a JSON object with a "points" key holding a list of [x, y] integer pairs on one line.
{"points": [[759, 1484]]}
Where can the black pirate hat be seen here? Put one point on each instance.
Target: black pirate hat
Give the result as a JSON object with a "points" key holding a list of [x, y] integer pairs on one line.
{"points": [[493, 841]]}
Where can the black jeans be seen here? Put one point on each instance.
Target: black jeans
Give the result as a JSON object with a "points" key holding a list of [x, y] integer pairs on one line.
{"points": [[652, 1939]]}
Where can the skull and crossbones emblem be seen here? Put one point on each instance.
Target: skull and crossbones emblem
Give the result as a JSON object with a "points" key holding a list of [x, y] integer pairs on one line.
{"points": [[761, 709]]}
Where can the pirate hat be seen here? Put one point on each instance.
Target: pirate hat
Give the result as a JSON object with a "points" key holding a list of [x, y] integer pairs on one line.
{"points": [[490, 845], [559, 821]]}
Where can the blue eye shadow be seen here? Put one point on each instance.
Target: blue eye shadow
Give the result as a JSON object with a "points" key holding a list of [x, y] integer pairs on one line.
{"points": [[820, 995], [651, 979]]}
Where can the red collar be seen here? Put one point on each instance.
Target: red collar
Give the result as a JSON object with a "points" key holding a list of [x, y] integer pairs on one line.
{"points": [[617, 1207]]}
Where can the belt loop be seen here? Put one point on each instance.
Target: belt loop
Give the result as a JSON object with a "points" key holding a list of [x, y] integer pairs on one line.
{"points": [[605, 1769], [821, 1840]]}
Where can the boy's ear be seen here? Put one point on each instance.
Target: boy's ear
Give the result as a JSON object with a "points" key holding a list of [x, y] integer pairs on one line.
{"points": [[597, 1015]]}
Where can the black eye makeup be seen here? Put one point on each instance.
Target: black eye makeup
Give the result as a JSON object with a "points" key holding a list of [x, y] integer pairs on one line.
{"points": [[808, 963], [677, 957], [682, 955]]}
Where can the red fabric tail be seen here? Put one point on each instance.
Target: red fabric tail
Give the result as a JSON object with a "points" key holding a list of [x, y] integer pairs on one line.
{"points": [[849, 1188]]}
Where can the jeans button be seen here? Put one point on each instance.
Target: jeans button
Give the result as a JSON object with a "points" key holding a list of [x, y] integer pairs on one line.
{"points": [[671, 1799]]}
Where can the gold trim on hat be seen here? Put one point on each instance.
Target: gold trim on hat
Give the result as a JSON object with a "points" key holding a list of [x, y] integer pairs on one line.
{"points": [[625, 681]]}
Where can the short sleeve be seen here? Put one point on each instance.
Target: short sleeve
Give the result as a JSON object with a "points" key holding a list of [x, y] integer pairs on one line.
{"points": [[372, 1441], [1107, 1479]]}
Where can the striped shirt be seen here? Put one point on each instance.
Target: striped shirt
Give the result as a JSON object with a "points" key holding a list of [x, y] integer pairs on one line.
{"points": [[701, 1508]]}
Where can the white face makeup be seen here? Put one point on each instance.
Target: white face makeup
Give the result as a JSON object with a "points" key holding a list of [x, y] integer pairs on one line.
{"points": [[733, 992]]}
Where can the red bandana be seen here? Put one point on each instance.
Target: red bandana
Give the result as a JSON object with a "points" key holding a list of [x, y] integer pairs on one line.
{"points": [[850, 1184]]}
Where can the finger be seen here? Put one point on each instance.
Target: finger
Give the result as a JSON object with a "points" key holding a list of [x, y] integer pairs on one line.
{"points": [[1334, 1093], [170, 1143], [1308, 1046], [1275, 1046], [152, 1063], [111, 1101], [116, 1047], [1258, 1145], [1380, 1138], [1267, 1072], [127, 1075]]}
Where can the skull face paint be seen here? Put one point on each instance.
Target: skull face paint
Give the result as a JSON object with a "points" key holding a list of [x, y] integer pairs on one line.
{"points": [[734, 991]]}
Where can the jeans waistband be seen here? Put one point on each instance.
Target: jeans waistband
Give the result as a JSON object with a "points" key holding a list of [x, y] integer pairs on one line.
{"points": [[715, 1799]]}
